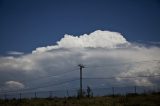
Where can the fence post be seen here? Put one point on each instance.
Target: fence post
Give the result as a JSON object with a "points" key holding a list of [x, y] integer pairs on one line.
{"points": [[50, 94], [35, 95], [20, 96], [135, 89], [5, 96], [67, 93], [113, 91], [144, 91]]}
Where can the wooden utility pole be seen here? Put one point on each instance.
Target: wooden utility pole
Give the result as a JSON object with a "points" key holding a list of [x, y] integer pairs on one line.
{"points": [[81, 67]]}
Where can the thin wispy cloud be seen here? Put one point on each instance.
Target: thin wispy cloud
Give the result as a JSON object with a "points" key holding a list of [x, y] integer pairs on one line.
{"points": [[15, 53]]}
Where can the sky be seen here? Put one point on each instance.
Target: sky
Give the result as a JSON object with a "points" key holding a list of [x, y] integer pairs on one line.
{"points": [[28, 24], [42, 42]]}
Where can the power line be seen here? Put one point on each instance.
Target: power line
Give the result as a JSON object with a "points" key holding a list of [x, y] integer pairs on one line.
{"points": [[75, 79], [127, 77], [45, 86], [45, 77], [106, 65], [55, 84], [60, 74], [50, 85], [49, 76], [87, 67]]}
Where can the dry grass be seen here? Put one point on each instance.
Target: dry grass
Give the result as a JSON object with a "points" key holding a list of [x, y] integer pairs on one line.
{"points": [[129, 100]]}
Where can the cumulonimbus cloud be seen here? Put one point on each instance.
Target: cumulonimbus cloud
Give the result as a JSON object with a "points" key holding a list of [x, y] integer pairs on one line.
{"points": [[97, 39], [104, 54]]}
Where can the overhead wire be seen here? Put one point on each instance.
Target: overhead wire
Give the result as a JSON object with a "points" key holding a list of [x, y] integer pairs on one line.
{"points": [[63, 82], [48, 76], [45, 77], [106, 65], [126, 77], [44, 86]]}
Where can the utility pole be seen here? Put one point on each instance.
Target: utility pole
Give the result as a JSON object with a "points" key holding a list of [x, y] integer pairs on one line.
{"points": [[81, 66], [20, 95], [135, 89], [35, 95], [113, 91], [5, 96], [50, 94]]}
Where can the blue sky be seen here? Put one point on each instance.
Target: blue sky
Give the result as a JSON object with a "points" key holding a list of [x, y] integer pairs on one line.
{"points": [[28, 24]]}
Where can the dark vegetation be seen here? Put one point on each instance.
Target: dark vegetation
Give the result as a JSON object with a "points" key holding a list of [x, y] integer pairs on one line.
{"points": [[152, 99]]}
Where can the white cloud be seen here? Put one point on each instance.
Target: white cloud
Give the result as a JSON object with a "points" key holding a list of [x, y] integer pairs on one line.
{"points": [[102, 39], [96, 39], [104, 53], [143, 81], [13, 85], [15, 53]]}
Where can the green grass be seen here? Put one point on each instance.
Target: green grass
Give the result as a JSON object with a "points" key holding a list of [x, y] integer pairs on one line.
{"points": [[129, 100]]}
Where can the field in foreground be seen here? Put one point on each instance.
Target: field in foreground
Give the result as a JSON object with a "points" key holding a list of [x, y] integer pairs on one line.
{"points": [[129, 100]]}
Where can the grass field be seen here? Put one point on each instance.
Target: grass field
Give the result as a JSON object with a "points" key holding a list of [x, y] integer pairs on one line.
{"points": [[129, 100]]}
